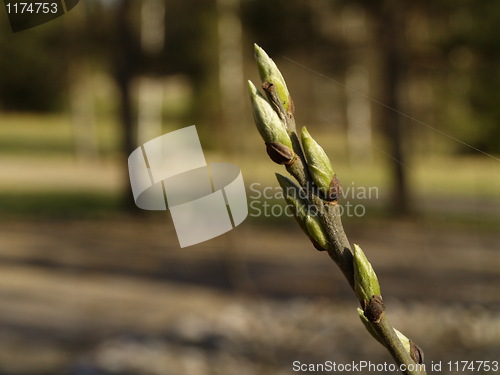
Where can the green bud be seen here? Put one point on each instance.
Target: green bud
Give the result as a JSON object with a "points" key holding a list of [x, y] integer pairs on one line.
{"points": [[365, 280], [269, 72], [309, 223], [267, 120], [404, 340], [315, 232], [295, 196], [318, 163]]}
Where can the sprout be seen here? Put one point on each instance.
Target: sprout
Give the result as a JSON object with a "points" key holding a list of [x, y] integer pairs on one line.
{"points": [[365, 280], [267, 120], [269, 72], [320, 167], [307, 218]]}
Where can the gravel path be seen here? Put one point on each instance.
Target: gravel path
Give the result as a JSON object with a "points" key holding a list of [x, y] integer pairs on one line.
{"points": [[117, 296]]}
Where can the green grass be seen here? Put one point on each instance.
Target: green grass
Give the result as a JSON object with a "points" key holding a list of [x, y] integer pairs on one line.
{"points": [[33, 146], [49, 134], [60, 204]]}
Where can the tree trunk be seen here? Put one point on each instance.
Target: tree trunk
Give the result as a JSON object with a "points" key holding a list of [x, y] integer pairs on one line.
{"points": [[391, 34], [123, 66]]}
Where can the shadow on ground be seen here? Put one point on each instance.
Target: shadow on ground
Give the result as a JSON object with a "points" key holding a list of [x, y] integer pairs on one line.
{"points": [[118, 296]]}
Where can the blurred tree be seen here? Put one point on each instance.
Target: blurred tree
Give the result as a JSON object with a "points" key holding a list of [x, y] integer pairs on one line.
{"points": [[151, 91], [473, 50], [279, 25], [459, 61], [125, 63], [182, 51], [231, 74], [389, 25], [32, 66]]}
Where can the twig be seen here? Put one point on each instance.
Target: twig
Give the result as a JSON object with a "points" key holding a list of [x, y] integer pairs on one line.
{"points": [[315, 204]]}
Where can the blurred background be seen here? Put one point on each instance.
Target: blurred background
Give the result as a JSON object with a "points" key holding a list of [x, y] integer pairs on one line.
{"points": [[403, 95]]}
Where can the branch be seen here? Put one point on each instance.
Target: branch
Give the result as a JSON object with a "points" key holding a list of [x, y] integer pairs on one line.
{"points": [[314, 202]]}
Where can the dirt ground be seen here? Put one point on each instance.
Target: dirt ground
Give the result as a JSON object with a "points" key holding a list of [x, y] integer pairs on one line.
{"points": [[118, 296]]}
